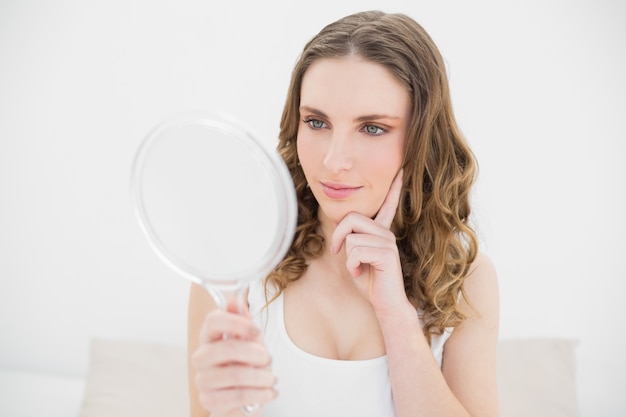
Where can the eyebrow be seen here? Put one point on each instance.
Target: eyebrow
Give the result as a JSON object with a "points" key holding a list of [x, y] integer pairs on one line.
{"points": [[312, 110], [363, 118]]}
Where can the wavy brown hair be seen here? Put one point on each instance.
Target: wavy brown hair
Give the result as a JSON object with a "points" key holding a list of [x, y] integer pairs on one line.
{"points": [[435, 241]]}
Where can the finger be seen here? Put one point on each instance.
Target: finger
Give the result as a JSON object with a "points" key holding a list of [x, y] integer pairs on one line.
{"points": [[375, 257], [385, 239], [228, 351], [238, 304], [349, 224], [218, 323], [354, 240], [232, 376], [388, 210], [354, 224]]}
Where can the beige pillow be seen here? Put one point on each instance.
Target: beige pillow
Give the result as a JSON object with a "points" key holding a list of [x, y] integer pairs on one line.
{"points": [[135, 379], [537, 378]]}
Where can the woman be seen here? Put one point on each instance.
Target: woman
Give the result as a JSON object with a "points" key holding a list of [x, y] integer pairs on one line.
{"points": [[383, 305]]}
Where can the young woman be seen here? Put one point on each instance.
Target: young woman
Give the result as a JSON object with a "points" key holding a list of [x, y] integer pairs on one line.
{"points": [[383, 305]]}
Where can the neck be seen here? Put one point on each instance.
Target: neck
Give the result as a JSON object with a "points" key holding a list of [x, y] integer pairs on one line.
{"points": [[333, 264]]}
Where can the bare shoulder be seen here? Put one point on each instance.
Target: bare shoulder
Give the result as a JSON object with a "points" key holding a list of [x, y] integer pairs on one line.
{"points": [[481, 289], [482, 271]]}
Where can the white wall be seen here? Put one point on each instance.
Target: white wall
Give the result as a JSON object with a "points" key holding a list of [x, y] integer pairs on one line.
{"points": [[538, 88]]}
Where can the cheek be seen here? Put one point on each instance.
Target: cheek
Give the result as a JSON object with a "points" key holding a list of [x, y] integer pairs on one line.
{"points": [[383, 169], [385, 160], [306, 153], [300, 147]]}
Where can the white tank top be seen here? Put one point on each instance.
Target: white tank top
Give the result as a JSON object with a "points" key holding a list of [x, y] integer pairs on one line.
{"points": [[312, 386]]}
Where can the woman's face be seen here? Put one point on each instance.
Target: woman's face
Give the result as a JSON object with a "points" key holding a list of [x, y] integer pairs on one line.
{"points": [[351, 135]]}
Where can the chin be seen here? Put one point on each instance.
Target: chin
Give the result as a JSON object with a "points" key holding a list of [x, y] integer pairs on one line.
{"points": [[337, 214]]}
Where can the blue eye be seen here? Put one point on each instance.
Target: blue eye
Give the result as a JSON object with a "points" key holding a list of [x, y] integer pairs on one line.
{"points": [[374, 130], [315, 123]]}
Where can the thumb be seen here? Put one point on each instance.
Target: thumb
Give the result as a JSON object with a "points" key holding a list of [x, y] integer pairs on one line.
{"points": [[238, 304]]}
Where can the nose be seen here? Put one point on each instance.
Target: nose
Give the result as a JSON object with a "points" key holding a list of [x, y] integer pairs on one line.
{"points": [[339, 153]]}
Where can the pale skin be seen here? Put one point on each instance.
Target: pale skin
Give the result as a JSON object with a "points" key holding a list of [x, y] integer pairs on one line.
{"points": [[350, 304]]}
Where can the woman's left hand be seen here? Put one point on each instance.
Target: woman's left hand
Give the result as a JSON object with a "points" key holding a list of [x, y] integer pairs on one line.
{"points": [[372, 256]]}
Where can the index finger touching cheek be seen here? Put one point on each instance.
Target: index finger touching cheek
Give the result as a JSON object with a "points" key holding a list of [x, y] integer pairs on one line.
{"points": [[388, 210]]}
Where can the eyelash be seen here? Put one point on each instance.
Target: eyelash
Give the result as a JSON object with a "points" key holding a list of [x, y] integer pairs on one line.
{"points": [[381, 130], [309, 121]]}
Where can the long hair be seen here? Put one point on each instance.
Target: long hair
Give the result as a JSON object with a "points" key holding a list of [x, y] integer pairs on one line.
{"points": [[435, 241]]}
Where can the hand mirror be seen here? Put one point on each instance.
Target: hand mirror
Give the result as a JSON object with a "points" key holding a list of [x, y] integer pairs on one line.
{"points": [[216, 205]]}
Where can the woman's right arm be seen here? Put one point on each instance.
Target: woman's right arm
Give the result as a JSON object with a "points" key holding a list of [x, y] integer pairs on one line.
{"points": [[224, 374], [200, 304]]}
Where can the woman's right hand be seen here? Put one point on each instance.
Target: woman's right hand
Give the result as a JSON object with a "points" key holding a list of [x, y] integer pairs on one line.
{"points": [[232, 372]]}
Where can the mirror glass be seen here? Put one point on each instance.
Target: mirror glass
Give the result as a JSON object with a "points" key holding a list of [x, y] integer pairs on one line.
{"points": [[215, 203]]}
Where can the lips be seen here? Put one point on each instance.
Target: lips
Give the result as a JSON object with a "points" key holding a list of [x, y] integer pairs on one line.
{"points": [[338, 191]]}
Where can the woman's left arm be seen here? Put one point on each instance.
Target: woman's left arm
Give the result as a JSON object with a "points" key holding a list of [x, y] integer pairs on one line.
{"points": [[469, 364], [466, 383]]}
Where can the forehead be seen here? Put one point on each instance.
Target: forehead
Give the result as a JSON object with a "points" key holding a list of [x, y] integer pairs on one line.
{"points": [[353, 85]]}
